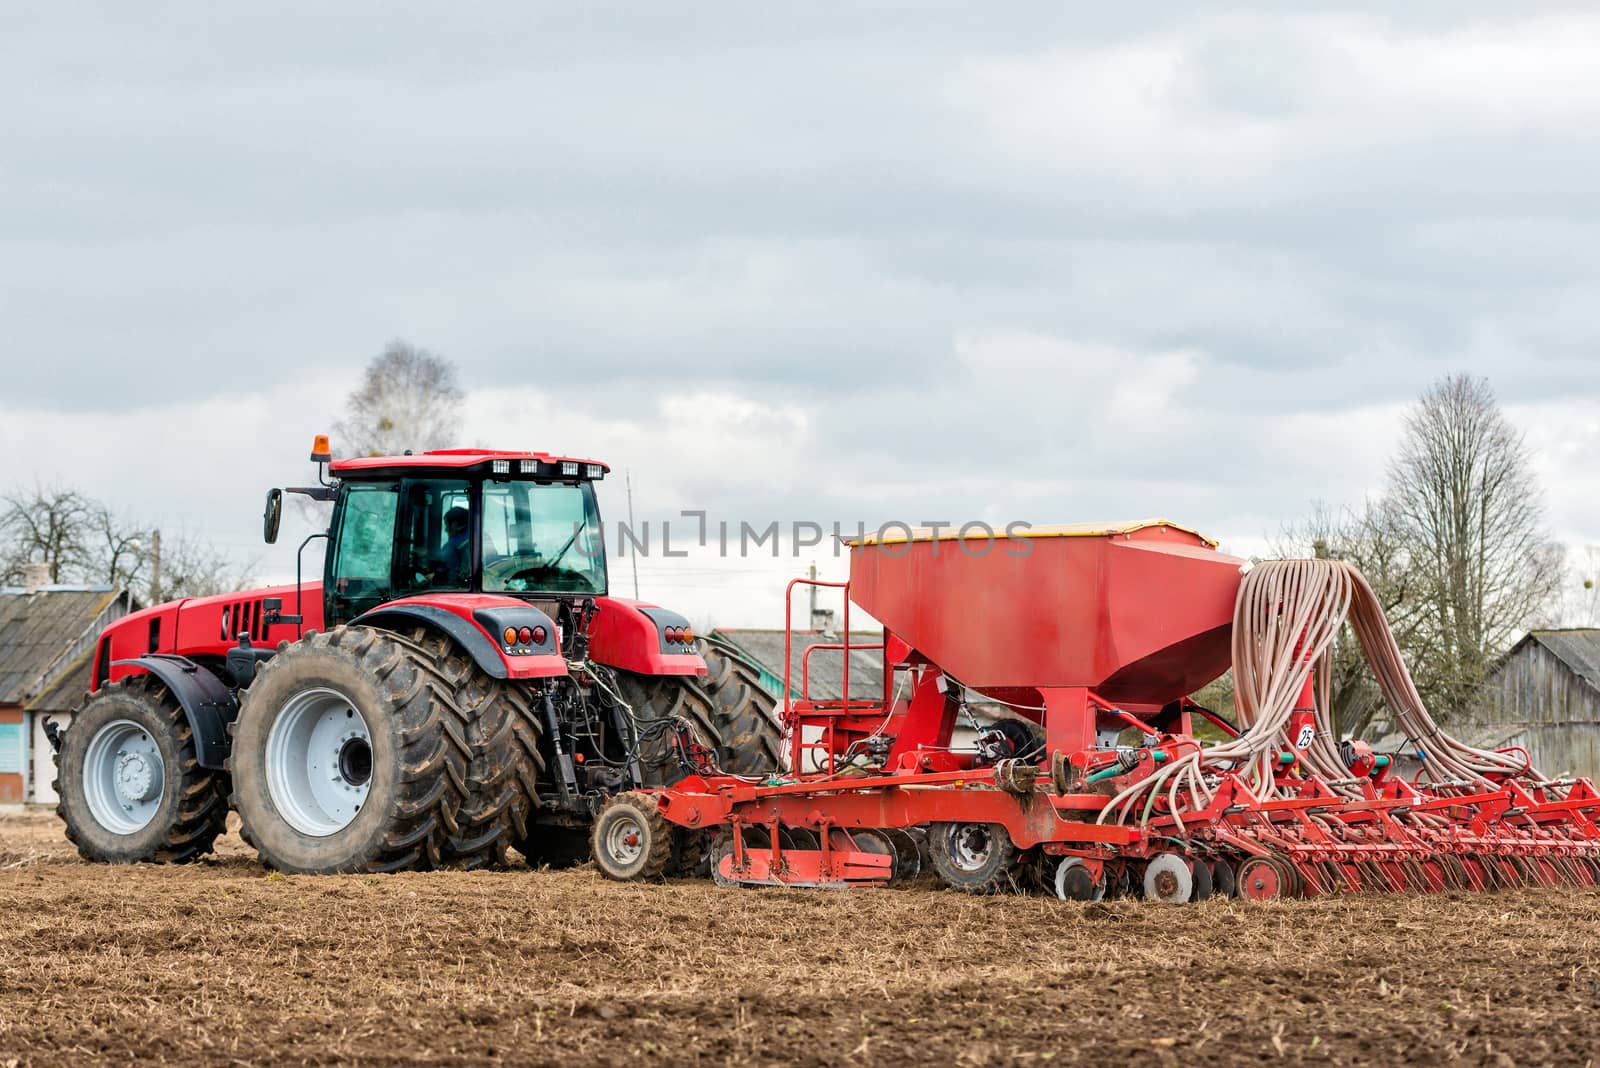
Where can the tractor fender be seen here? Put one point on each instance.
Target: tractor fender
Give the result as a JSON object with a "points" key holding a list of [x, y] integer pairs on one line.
{"points": [[208, 704], [477, 626], [632, 635]]}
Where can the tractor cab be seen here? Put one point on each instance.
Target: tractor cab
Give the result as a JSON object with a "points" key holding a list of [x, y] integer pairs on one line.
{"points": [[517, 524]]}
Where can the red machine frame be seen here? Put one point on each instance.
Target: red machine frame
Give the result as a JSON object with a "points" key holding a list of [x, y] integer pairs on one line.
{"points": [[1308, 840]]}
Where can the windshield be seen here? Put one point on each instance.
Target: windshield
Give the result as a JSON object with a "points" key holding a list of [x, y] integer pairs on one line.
{"points": [[541, 536]]}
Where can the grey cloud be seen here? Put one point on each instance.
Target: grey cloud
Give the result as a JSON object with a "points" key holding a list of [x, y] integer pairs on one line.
{"points": [[811, 206]]}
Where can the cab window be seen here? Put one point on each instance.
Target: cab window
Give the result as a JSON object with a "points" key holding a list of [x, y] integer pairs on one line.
{"points": [[435, 535], [541, 536], [362, 566]]}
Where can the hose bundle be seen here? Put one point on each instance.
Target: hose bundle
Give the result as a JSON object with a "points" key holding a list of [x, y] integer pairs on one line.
{"points": [[1286, 618]]}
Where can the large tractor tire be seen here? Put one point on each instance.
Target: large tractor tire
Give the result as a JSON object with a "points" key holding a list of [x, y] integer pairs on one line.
{"points": [[745, 713], [130, 785], [351, 753], [502, 731], [731, 713]]}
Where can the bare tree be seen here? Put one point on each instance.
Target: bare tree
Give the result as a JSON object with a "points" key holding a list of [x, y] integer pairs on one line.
{"points": [[191, 567], [50, 525], [1470, 518], [84, 541], [408, 399], [119, 549]]}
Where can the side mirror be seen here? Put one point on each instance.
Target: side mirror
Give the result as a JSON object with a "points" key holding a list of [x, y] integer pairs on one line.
{"points": [[272, 516]]}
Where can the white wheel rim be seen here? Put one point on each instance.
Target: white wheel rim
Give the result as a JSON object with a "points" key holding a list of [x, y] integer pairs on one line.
{"points": [[319, 762], [971, 845], [124, 777], [1064, 869], [624, 841], [1168, 879]]}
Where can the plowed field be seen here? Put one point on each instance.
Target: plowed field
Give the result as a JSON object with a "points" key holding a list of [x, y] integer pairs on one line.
{"points": [[221, 962]]}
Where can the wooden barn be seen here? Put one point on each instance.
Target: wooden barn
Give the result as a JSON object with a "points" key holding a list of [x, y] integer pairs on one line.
{"points": [[1545, 693]]}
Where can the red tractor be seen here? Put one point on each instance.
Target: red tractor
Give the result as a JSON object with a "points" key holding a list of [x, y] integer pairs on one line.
{"points": [[458, 685]]}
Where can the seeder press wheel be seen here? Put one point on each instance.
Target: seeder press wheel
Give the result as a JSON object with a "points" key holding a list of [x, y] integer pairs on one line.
{"points": [[1073, 881], [1265, 879]]}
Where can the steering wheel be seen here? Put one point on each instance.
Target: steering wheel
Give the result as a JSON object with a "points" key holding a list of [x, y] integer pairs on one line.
{"points": [[510, 569]]}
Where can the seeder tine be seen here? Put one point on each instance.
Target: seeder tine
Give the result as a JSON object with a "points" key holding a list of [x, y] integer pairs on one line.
{"points": [[1434, 871], [1378, 877], [1494, 875], [1416, 876], [1312, 879], [1351, 874], [1334, 877]]}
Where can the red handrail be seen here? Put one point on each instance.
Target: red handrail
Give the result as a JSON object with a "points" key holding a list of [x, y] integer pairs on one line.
{"points": [[805, 669], [797, 744]]}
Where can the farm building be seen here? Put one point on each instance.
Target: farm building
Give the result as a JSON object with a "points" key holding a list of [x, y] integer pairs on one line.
{"points": [[1544, 695], [765, 649], [47, 639]]}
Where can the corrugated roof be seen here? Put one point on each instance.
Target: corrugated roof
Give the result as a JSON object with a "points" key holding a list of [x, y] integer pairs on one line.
{"points": [[66, 691], [765, 647], [1578, 648], [37, 628]]}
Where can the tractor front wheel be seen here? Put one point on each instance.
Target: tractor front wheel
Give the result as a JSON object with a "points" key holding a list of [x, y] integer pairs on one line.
{"points": [[349, 755], [131, 787]]}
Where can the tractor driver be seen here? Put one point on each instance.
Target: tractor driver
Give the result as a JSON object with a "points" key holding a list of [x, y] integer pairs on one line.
{"points": [[454, 559]]}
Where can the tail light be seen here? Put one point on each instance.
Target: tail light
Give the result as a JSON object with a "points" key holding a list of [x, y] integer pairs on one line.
{"points": [[510, 635], [526, 634], [539, 635]]}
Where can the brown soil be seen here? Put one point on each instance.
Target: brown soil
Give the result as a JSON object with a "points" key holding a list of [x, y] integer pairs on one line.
{"points": [[219, 962]]}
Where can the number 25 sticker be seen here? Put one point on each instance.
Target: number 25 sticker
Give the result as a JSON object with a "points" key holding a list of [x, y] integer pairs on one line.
{"points": [[1307, 733]]}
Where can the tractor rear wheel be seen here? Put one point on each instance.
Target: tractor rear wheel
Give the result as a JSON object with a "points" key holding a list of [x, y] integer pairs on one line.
{"points": [[728, 710], [746, 715], [131, 787], [351, 754]]}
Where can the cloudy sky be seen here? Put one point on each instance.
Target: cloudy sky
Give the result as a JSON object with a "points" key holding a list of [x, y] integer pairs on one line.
{"points": [[913, 261]]}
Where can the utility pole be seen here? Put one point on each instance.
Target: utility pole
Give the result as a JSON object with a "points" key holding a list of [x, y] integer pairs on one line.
{"points": [[633, 555], [811, 623], [155, 567]]}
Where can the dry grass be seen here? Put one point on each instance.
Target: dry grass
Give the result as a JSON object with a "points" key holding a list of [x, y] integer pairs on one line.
{"points": [[220, 962]]}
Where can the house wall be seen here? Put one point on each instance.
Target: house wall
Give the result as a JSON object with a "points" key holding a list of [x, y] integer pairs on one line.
{"points": [[42, 757], [1560, 709], [13, 756]]}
